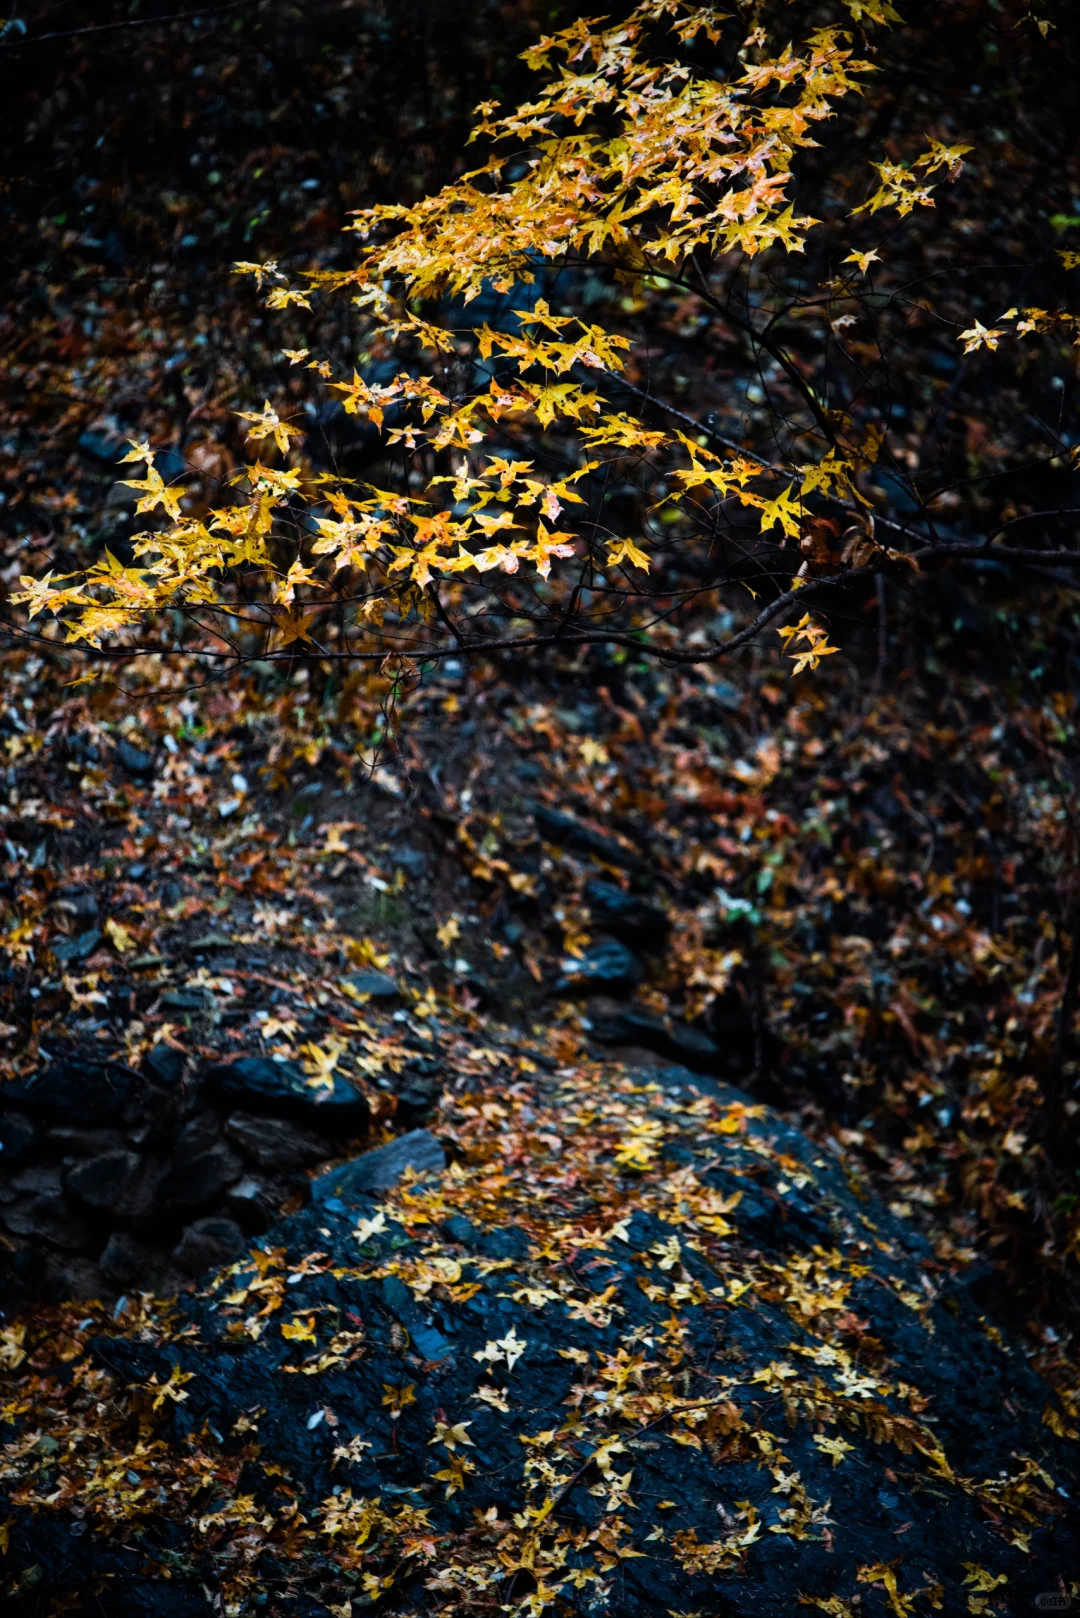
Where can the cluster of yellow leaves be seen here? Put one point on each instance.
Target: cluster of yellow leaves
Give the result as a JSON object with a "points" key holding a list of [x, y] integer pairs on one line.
{"points": [[623, 154], [903, 189], [655, 191], [816, 643], [1025, 322]]}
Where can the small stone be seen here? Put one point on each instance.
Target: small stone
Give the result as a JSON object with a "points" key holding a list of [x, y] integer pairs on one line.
{"points": [[51, 1219], [567, 832], [208, 1243], [134, 760], [251, 1204], [459, 1229], [629, 918], [65, 1279], [201, 1179], [16, 1138], [198, 1135], [424, 1337], [112, 1183], [73, 1092], [80, 902], [727, 695], [417, 1097], [39, 1179], [372, 985], [196, 999], [164, 1065], [274, 1143], [72, 1143], [126, 1262], [605, 964], [255, 1084], [79, 948], [380, 1168], [629, 1025]]}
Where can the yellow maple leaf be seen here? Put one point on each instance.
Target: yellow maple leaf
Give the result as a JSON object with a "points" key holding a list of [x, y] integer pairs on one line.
{"points": [[980, 336], [624, 550], [451, 1435], [879, 11], [782, 510], [297, 1330], [863, 260], [266, 423], [120, 937], [155, 493], [838, 1448], [396, 1398], [982, 1580], [320, 1062]]}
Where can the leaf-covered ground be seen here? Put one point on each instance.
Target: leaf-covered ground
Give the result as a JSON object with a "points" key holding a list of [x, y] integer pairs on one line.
{"points": [[855, 917]]}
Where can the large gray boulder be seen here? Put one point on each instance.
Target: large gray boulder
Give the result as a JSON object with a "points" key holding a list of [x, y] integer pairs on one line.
{"points": [[641, 1349]]}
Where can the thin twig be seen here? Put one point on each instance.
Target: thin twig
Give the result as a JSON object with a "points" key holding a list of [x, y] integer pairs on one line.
{"points": [[883, 634], [127, 22]]}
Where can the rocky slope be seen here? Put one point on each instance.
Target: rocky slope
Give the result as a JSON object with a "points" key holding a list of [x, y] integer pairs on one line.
{"points": [[640, 1348]]}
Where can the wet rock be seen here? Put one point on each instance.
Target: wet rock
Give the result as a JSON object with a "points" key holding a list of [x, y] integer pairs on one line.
{"points": [[372, 985], [606, 964], [16, 1138], [883, 1427], [429, 1343], [72, 1143], [274, 1143], [73, 1092], [199, 1180], [635, 921], [630, 1025], [42, 1179], [567, 832], [252, 1204], [380, 1168], [137, 763], [164, 1066], [78, 948], [255, 1084], [417, 1096], [48, 1218], [69, 1278], [125, 1262], [208, 1243], [118, 1183], [195, 1137], [81, 902], [195, 999], [459, 1229]]}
